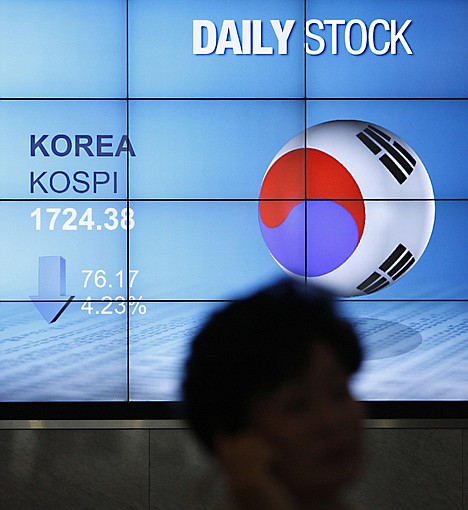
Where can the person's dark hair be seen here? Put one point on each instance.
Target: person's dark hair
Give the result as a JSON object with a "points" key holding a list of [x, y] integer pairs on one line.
{"points": [[255, 345]]}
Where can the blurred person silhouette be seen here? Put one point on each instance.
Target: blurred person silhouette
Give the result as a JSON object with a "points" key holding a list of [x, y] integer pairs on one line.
{"points": [[266, 391]]}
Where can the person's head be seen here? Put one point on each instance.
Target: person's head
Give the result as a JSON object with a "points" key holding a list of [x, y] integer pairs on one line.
{"points": [[278, 363]]}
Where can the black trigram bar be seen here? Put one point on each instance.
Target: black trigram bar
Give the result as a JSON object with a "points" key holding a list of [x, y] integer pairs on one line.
{"points": [[373, 283], [398, 161], [398, 262], [394, 266], [393, 258]]}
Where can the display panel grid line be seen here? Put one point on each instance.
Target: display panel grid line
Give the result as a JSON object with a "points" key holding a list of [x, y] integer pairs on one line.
{"points": [[128, 200]]}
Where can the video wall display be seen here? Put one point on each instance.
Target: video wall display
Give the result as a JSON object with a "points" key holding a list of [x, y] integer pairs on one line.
{"points": [[159, 158]]}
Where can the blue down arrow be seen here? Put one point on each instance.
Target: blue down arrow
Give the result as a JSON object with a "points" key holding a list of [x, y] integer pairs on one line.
{"points": [[51, 300]]}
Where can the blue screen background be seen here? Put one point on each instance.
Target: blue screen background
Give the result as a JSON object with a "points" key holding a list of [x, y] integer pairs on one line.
{"points": [[204, 129]]}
